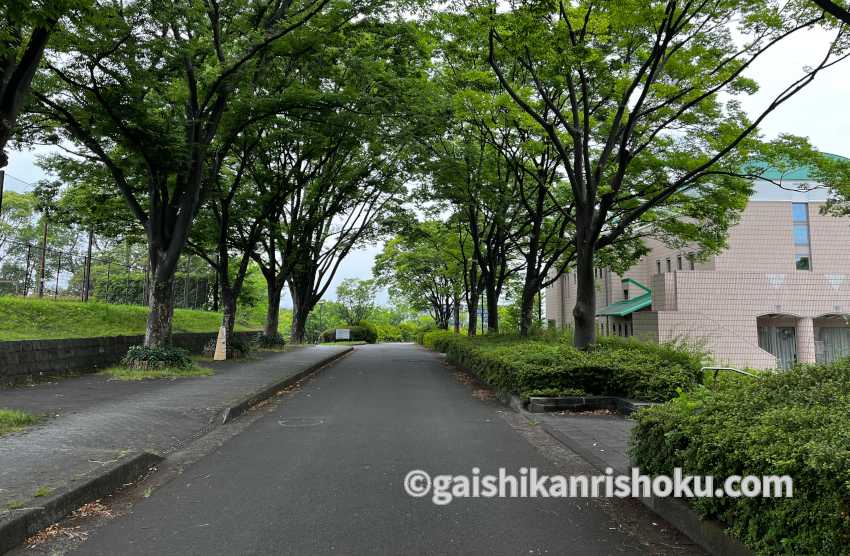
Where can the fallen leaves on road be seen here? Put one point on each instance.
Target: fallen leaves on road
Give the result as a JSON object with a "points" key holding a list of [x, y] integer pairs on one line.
{"points": [[75, 533], [93, 509], [483, 394], [463, 378], [55, 531]]}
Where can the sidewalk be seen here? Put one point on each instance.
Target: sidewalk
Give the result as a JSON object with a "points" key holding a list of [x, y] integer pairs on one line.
{"points": [[93, 421], [603, 440]]}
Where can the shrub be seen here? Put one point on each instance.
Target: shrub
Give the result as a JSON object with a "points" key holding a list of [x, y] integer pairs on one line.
{"points": [[790, 423], [357, 333], [625, 368], [273, 341], [141, 357]]}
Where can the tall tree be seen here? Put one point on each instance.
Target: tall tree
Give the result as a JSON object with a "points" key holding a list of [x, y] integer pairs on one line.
{"points": [[639, 99], [835, 9], [356, 299], [25, 29], [143, 88], [415, 267]]}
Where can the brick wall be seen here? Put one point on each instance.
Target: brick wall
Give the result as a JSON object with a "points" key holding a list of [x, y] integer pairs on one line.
{"points": [[32, 358]]}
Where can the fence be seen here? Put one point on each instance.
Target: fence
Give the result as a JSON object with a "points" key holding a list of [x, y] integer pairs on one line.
{"points": [[31, 269]]}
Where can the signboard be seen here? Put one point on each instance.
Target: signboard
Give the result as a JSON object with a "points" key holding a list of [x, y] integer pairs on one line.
{"points": [[343, 334]]}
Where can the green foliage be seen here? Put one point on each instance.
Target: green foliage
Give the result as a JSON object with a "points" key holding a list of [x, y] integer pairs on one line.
{"points": [[355, 299], [553, 393], [267, 342], [361, 332], [631, 369], [787, 423], [12, 420], [152, 358], [421, 266], [404, 332], [123, 373]]}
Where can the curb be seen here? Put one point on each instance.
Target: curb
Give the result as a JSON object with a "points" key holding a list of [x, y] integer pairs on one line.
{"points": [[235, 410], [28, 522], [708, 534], [624, 406]]}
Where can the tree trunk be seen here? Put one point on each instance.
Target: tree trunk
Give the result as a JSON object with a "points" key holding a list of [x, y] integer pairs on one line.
{"points": [[456, 311], [472, 307], [584, 312], [300, 312], [160, 311], [228, 319], [526, 311], [273, 290], [492, 311]]}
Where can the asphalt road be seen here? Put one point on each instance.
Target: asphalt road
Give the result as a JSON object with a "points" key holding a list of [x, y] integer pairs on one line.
{"points": [[323, 474]]}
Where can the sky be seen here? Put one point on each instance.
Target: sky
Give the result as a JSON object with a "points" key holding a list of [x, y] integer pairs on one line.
{"points": [[820, 112]]}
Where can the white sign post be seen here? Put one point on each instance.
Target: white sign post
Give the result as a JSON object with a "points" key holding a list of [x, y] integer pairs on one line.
{"points": [[343, 334]]}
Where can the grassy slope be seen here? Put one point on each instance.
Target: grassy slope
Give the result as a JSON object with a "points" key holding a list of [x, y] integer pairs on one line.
{"points": [[36, 319]]}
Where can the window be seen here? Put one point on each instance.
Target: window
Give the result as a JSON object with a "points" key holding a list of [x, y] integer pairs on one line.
{"points": [[802, 240], [625, 294], [691, 265], [801, 234], [658, 266], [669, 266], [679, 262], [802, 262]]}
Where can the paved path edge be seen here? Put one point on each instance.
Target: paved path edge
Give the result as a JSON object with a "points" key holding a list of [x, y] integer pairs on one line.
{"points": [[29, 521], [245, 403], [708, 534]]}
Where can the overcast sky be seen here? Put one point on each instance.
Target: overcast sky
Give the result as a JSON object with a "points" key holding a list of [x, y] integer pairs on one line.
{"points": [[820, 112]]}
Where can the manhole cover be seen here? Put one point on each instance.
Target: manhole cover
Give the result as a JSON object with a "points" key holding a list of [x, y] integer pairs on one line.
{"points": [[301, 422]]}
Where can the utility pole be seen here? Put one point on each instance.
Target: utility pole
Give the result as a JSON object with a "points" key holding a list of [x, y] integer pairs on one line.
{"points": [[43, 257], [2, 181]]}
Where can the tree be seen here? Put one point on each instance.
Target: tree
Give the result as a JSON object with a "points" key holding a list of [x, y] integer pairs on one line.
{"points": [[834, 9], [639, 101], [229, 227], [25, 29], [143, 88], [343, 160], [356, 299], [415, 267]]}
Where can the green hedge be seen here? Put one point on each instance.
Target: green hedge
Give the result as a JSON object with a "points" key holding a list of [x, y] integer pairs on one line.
{"points": [[362, 332], [794, 423], [615, 367]]}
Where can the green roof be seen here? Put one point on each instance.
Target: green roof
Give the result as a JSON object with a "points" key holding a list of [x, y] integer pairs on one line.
{"points": [[801, 173], [628, 306]]}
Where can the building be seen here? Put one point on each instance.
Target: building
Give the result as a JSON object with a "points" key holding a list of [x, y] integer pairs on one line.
{"points": [[780, 292]]}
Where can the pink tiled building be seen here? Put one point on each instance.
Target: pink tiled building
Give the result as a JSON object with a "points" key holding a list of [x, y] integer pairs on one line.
{"points": [[779, 293]]}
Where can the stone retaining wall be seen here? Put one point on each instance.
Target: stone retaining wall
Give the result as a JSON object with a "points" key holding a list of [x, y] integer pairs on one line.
{"points": [[33, 358]]}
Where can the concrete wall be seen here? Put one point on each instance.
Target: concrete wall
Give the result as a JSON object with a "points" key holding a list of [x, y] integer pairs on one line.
{"points": [[32, 358]]}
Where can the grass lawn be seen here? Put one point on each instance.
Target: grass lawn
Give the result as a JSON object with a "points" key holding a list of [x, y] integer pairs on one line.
{"points": [[40, 319], [124, 373], [12, 420]]}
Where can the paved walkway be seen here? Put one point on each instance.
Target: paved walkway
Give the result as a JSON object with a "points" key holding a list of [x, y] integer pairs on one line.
{"points": [[603, 440], [322, 474], [93, 420]]}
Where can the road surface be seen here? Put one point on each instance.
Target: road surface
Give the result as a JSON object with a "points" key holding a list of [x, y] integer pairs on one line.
{"points": [[323, 474]]}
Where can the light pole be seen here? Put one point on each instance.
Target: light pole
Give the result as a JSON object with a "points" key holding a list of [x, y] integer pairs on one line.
{"points": [[2, 180]]}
